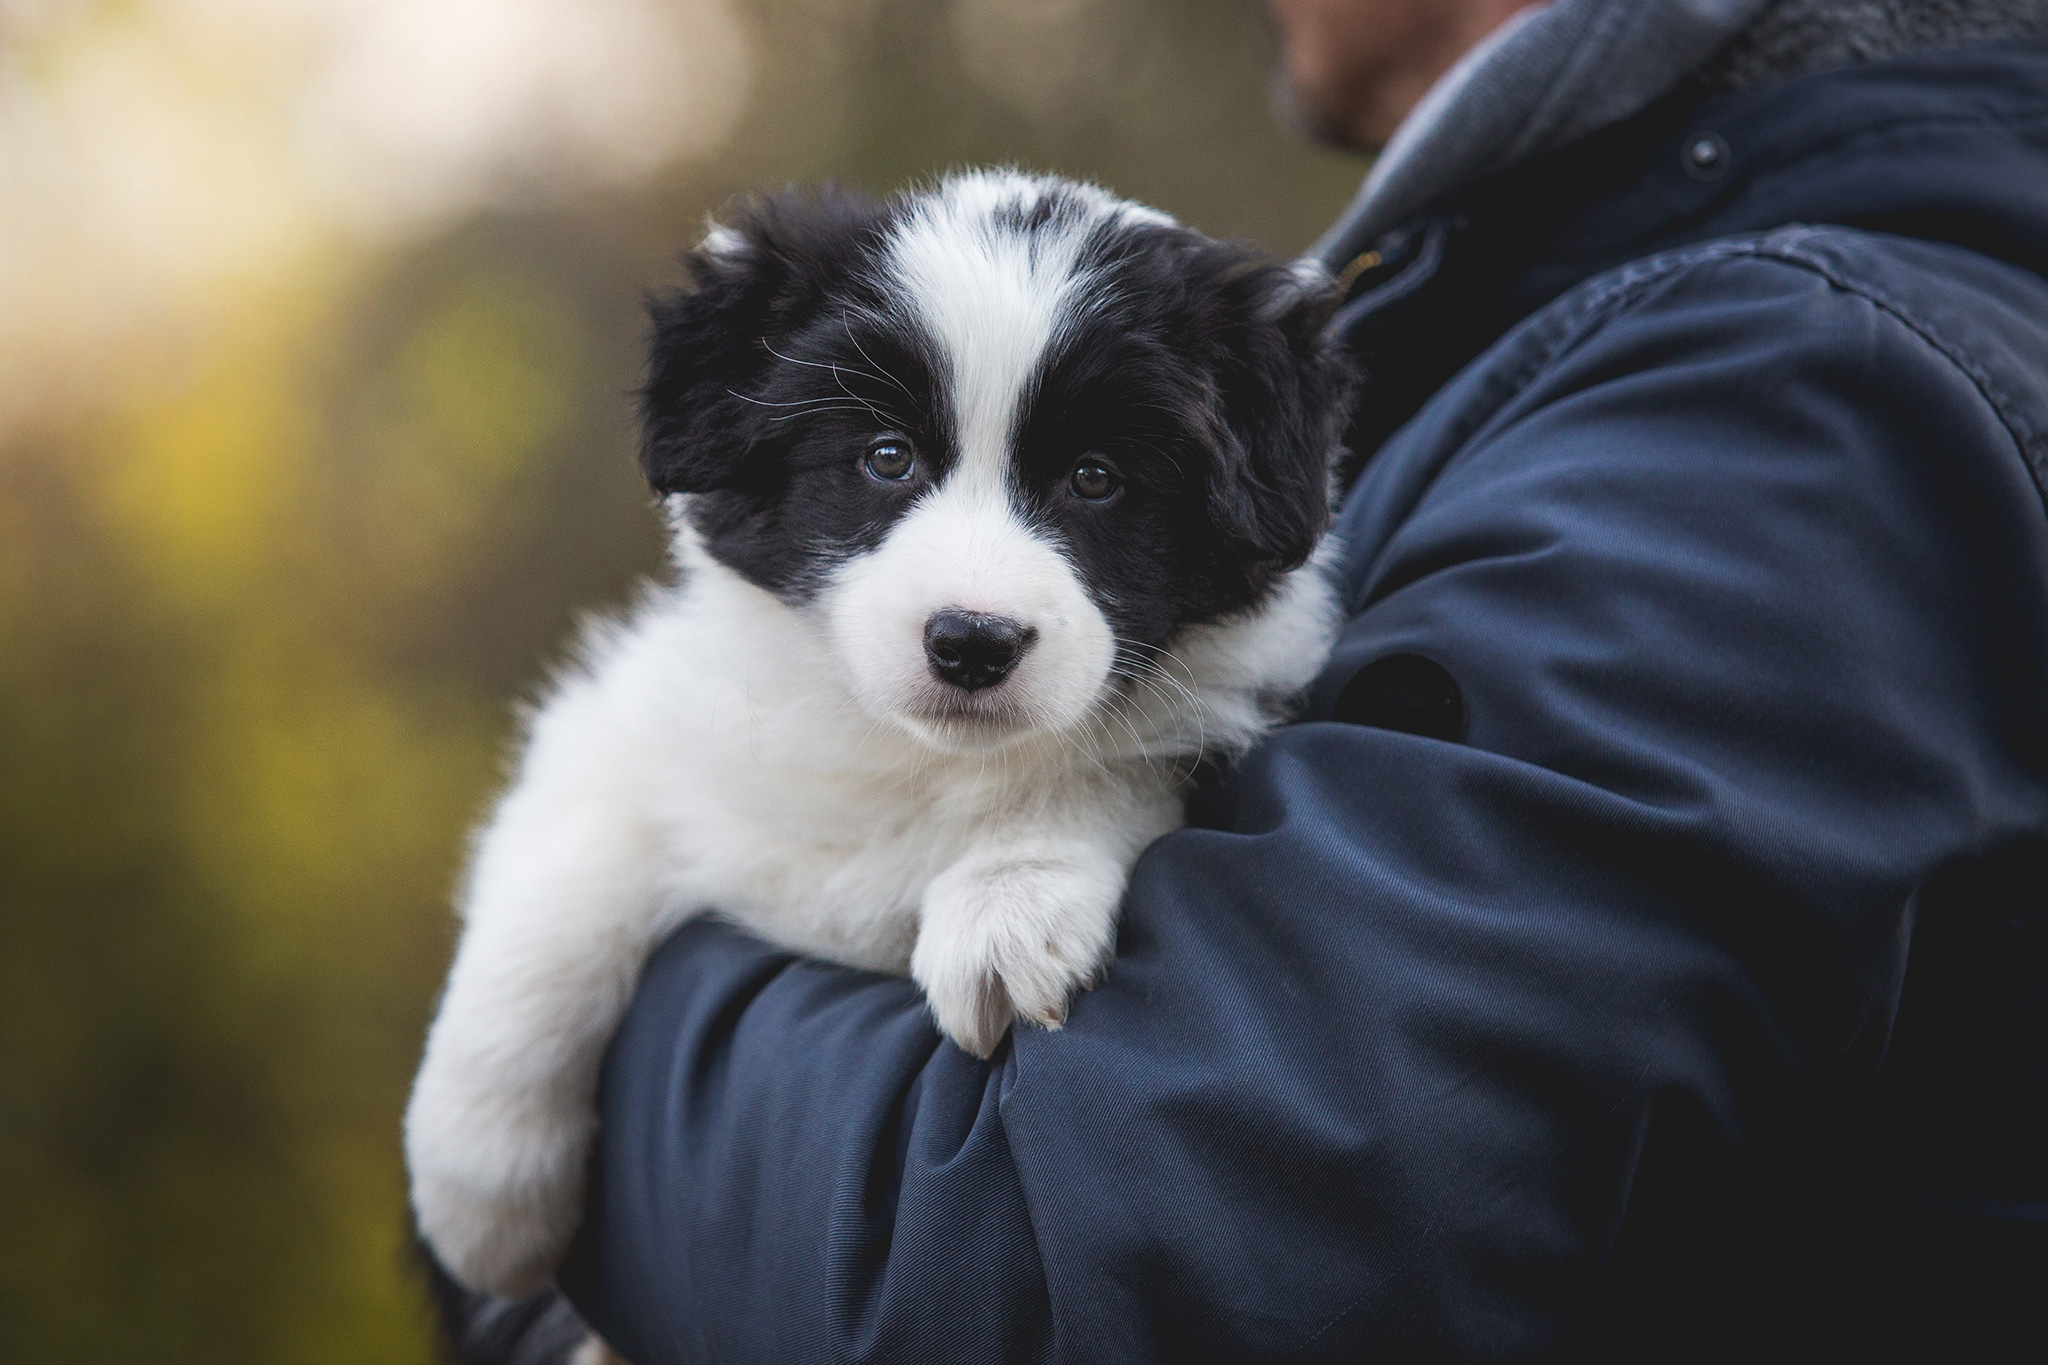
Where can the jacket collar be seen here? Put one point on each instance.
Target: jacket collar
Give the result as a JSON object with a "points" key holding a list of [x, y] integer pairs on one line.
{"points": [[1560, 71], [1948, 146], [1548, 77]]}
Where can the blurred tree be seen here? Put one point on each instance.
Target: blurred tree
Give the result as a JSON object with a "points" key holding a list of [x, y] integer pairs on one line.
{"points": [[292, 508]]}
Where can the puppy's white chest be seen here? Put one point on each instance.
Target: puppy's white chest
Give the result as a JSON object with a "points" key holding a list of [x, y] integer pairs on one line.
{"points": [[778, 802], [834, 865]]}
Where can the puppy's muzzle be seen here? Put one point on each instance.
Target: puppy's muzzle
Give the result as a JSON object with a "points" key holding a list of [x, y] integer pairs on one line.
{"points": [[971, 650]]}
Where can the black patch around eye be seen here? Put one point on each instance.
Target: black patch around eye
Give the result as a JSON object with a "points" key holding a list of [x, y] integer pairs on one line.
{"points": [[755, 286], [1200, 372], [845, 420]]}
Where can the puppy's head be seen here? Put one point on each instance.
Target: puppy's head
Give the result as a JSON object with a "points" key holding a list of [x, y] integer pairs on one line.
{"points": [[1000, 440]]}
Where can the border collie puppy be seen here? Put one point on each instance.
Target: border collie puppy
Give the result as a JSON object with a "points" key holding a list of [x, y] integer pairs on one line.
{"points": [[994, 508]]}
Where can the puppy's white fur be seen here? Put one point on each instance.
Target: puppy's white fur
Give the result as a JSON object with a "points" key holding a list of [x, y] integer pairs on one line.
{"points": [[798, 769]]}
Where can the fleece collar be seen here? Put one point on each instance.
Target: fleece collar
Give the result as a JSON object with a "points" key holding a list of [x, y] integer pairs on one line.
{"points": [[1947, 146], [1546, 78], [1560, 71]]}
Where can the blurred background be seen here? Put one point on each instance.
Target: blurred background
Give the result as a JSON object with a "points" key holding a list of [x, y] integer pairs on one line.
{"points": [[318, 325]]}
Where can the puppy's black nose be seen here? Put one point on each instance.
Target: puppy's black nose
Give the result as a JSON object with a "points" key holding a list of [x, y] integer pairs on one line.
{"points": [[973, 651]]}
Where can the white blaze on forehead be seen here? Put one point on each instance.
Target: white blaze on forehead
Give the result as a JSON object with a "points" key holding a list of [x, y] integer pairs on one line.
{"points": [[992, 294]]}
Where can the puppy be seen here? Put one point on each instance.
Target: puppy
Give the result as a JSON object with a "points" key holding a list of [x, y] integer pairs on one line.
{"points": [[994, 509]]}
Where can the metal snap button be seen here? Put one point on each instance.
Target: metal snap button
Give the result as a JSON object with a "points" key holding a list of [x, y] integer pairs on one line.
{"points": [[1706, 156]]}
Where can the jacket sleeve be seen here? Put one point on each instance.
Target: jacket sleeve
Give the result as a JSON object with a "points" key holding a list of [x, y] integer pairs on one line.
{"points": [[1741, 593]]}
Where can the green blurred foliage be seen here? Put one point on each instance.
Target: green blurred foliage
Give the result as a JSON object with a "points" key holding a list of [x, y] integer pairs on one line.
{"points": [[261, 631]]}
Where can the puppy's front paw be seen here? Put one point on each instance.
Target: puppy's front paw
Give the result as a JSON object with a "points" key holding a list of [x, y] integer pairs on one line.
{"points": [[1010, 938], [497, 1187]]}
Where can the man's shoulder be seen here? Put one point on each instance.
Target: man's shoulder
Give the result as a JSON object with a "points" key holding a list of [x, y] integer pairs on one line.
{"points": [[1791, 311], [1986, 317], [1969, 308], [1867, 363]]}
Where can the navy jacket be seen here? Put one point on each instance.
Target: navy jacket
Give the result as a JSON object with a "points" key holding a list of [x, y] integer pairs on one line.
{"points": [[1640, 951]]}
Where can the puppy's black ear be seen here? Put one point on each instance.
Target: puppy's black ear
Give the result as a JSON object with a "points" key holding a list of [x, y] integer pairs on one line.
{"points": [[761, 276], [1286, 388]]}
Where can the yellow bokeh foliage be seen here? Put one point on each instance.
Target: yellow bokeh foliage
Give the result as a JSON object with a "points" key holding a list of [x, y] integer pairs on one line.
{"points": [[297, 501]]}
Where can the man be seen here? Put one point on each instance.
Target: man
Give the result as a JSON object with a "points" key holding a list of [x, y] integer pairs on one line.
{"points": [[1641, 949]]}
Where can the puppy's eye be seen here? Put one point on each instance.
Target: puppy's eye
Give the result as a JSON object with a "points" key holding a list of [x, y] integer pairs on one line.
{"points": [[891, 461], [1094, 481]]}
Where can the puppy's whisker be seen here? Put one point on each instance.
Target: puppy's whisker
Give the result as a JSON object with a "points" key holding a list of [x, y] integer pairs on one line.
{"points": [[1137, 740], [790, 403], [816, 364], [838, 372], [846, 322], [817, 408], [1074, 740], [1181, 703], [1152, 660]]}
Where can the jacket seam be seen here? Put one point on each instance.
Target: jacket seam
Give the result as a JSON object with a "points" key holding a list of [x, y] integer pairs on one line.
{"points": [[1602, 299], [1609, 297], [1995, 395]]}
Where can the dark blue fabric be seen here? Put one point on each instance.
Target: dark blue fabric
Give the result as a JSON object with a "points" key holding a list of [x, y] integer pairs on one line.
{"points": [[1695, 1006]]}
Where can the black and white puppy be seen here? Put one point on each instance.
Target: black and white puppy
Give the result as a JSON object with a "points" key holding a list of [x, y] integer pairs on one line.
{"points": [[995, 509]]}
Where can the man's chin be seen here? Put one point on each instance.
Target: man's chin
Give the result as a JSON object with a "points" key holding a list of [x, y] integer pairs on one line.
{"points": [[1307, 116]]}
